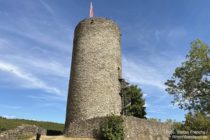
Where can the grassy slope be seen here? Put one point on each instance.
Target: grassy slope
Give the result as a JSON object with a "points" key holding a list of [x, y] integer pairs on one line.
{"points": [[7, 124]]}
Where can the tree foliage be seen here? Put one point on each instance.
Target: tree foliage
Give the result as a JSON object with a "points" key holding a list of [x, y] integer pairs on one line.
{"points": [[175, 124], [190, 83], [197, 121], [112, 128], [135, 104], [178, 126]]}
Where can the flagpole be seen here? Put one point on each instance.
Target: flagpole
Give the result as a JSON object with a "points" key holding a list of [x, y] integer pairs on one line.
{"points": [[91, 9]]}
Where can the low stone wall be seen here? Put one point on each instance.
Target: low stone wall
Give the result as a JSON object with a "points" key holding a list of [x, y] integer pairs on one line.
{"points": [[23, 130], [141, 129], [135, 129], [85, 128]]}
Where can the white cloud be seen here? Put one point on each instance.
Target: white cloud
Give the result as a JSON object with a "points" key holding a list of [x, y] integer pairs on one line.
{"points": [[160, 109], [152, 72], [38, 65], [49, 8], [171, 34], [51, 67], [9, 116], [142, 74], [146, 105], [48, 98], [43, 65], [10, 107], [156, 111], [28, 80], [50, 34], [3, 42], [38, 57]]}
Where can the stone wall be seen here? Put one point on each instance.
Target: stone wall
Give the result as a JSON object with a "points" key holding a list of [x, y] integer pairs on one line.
{"points": [[85, 128], [141, 129], [94, 87], [135, 129], [23, 130]]}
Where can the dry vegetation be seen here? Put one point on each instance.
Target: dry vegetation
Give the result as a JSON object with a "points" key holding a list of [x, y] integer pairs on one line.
{"points": [[60, 138]]}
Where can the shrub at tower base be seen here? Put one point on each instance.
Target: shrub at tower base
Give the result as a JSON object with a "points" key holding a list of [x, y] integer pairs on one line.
{"points": [[112, 128]]}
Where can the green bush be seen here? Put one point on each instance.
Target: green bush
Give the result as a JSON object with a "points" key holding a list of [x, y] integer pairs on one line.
{"points": [[112, 128]]}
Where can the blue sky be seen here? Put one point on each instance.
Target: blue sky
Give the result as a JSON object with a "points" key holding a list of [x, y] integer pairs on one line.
{"points": [[36, 46]]}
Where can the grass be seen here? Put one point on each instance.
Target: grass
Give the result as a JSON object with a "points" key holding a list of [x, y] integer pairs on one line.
{"points": [[8, 124], [23, 137]]}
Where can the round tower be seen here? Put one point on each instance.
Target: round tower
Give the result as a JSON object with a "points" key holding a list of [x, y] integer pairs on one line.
{"points": [[94, 86]]}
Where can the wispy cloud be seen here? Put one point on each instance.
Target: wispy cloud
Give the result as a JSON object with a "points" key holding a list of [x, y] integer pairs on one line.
{"points": [[10, 107], [28, 80], [39, 35], [142, 74], [49, 9], [36, 52], [9, 116], [154, 60], [52, 67], [172, 34], [40, 66], [159, 111], [47, 98], [3, 43]]}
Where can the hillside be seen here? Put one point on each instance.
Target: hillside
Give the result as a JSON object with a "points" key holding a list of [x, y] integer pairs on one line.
{"points": [[7, 124]]}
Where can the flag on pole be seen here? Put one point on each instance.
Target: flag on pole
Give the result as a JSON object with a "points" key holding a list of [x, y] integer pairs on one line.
{"points": [[91, 9]]}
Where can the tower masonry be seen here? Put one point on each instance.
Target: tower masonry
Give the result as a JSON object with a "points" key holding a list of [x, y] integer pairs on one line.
{"points": [[94, 86]]}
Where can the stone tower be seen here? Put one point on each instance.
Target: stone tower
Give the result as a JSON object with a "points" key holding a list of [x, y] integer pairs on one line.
{"points": [[94, 86]]}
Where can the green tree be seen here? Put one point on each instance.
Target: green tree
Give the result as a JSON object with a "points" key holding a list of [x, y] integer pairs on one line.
{"points": [[190, 83], [175, 125], [178, 126], [134, 102], [197, 121]]}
